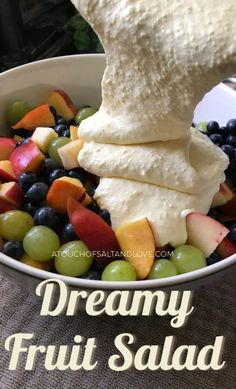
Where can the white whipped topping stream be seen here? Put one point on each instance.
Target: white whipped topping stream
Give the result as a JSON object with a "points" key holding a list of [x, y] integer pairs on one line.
{"points": [[162, 57]]}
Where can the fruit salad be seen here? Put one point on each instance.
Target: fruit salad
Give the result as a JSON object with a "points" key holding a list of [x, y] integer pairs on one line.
{"points": [[50, 220]]}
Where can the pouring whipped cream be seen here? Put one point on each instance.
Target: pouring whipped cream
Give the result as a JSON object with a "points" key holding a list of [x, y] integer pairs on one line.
{"points": [[162, 57]]}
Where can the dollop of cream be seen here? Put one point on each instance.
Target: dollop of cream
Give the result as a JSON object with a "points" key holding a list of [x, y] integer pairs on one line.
{"points": [[162, 57]]}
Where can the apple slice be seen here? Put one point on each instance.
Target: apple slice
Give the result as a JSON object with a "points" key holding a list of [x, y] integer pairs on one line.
{"points": [[6, 206], [138, 246], [204, 232], [42, 136], [229, 209], [224, 195], [69, 154], [26, 157], [73, 132], [62, 104], [63, 188], [6, 171], [7, 145], [40, 116], [98, 236], [226, 248], [12, 193]]}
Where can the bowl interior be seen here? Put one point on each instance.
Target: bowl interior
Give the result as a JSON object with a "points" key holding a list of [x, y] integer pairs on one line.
{"points": [[80, 76]]}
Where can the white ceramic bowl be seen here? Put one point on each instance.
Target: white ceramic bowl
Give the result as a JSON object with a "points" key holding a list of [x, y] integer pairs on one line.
{"points": [[80, 76]]}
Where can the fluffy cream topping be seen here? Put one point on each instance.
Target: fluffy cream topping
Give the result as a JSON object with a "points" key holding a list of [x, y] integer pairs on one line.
{"points": [[162, 57]]}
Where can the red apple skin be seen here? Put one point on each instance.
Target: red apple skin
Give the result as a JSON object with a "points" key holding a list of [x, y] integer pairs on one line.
{"points": [[7, 145], [12, 192], [6, 172], [25, 155], [98, 236], [6, 206], [226, 248], [63, 104]]}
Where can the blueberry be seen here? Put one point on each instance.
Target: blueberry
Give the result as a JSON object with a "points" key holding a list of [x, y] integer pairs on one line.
{"points": [[53, 110], [106, 216], [66, 133], [48, 165], [228, 150], [47, 216], [231, 126], [37, 193], [13, 249], [62, 121], [94, 207], [92, 275], [69, 233], [212, 127], [78, 173], [232, 233], [58, 173], [214, 258], [29, 208], [217, 139], [60, 129], [213, 213], [231, 140], [26, 180]]}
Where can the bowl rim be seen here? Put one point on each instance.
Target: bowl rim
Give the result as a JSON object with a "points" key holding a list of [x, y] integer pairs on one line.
{"points": [[81, 283]]}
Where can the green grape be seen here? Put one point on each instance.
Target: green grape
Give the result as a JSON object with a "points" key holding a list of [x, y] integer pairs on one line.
{"points": [[73, 259], [188, 258], [54, 145], [84, 113], [41, 243], [162, 268], [16, 111], [14, 225], [119, 270], [201, 126]]}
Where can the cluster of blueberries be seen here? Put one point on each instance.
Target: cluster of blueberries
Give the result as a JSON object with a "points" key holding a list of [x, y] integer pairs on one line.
{"points": [[225, 138]]}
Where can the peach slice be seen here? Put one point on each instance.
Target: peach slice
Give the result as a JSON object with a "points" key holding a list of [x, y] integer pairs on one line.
{"points": [[48, 265], [26, 157], [137, 243], [224, 195], [204, 232], [6, 206], [63, 188], [42, 136], [7, 145], [98, 236], [6, 171], [62, 104], [40, 116], [74, 132], [69, 153]]}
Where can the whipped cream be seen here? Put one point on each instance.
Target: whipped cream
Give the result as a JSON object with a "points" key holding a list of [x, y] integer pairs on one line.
{"points": [[162, 57]]}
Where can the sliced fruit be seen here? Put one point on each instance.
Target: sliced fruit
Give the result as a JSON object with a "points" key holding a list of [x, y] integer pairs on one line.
{"points": [[6, 205], [10, 192], [69, 154], [224, 195], [138, 246], [98, 236], [62, 104], [42, 136], [204, 232], [229, 209], [48, 265], [73, 132], [40, 116], [26, 157], [226, 248], [18, 138], [63, 188], [6, 171], [7, 145]]}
